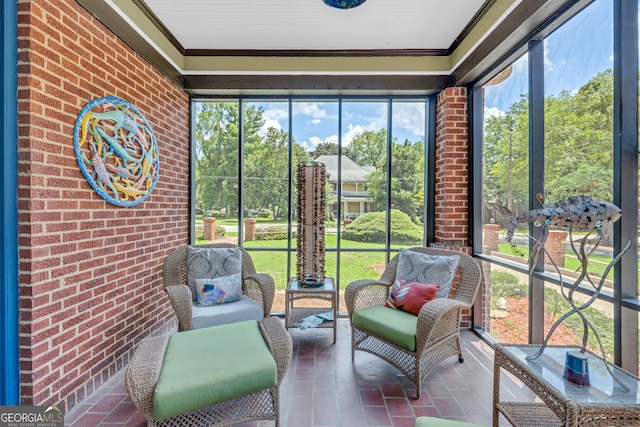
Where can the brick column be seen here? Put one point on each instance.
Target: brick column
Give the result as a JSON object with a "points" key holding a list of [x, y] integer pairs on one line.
{"points": [[452, 177], [452, 169], [209, 228], [491, 233], [557, 247], [249, 229]]}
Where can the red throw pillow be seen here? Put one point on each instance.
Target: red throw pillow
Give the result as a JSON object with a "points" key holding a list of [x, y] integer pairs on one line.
{"points": [[410, 296]]}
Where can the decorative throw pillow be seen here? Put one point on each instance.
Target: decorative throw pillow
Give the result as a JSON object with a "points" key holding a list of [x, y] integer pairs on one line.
{"points": [[211, 263], [220, 290], [424, 268], [410, 296]]}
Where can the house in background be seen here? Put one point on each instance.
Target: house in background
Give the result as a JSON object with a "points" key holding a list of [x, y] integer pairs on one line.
{"points": [[354, 196]]}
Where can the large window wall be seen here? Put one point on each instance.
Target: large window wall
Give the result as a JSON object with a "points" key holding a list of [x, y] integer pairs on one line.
{"points": [[553, 129], [245, 156]]}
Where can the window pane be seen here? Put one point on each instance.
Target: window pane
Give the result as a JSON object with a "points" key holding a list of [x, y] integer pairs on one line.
{"points": [[505, 189], [579, 156], [505, 184], [216, 165], [508, 304], [315, 130], [407, 173], [362, 170], [275, 264], [266, 173]]}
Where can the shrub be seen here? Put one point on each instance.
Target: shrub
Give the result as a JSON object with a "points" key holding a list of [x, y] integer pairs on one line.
{"points": [[271, 233], [370, 227]]}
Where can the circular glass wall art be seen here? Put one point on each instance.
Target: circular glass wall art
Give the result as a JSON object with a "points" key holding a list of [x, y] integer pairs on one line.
{"points": [[116, 151]]}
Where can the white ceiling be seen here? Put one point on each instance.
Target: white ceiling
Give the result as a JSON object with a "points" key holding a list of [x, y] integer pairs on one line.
{"points": [[310, 24]]}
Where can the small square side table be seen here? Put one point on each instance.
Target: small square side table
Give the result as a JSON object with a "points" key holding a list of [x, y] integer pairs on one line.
{"points": [[294, 313]]}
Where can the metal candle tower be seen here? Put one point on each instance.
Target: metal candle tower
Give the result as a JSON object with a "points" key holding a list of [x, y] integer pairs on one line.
{"points": [[311, 210]]}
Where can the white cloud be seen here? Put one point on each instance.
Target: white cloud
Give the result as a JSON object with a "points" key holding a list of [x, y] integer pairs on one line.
{"points": [[269, 123], [352, 133], [492, 112], [279, 112], [316, 121], [409, 116], [548, 64], [310, 109]]}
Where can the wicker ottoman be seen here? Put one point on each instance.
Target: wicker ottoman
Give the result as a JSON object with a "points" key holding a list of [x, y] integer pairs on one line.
{"points": [[181, 379], [439, 422]]}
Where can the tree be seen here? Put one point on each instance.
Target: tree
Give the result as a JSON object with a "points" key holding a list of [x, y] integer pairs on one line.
{"points": [[266, 170], [325, 148], [216, 155], [407, 178], [217, 142], [368, 148], [578, 147]]}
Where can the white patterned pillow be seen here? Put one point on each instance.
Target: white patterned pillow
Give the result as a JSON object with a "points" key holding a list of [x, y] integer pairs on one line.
{"points": [[423, 268], [220, 290], [211, 263]]}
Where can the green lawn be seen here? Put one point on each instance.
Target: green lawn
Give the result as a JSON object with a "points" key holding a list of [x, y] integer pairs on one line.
{"points": [[353, 265], [596, 266]]}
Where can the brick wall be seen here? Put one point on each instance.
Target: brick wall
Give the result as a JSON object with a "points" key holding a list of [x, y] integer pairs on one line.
{"points": [[90, 272], [452, 175]]}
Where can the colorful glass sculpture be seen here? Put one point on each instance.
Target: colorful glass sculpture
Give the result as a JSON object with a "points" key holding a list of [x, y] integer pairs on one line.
{"points": [[116, 151]]}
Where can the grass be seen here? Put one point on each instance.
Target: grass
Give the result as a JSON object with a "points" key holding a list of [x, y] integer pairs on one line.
{"points": [[232, 221], [596, 266], [353, 265]]}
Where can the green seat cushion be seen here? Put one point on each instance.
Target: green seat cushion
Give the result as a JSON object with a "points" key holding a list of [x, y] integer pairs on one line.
{"points": [[206, 366], [439, 422], [396, 326]]}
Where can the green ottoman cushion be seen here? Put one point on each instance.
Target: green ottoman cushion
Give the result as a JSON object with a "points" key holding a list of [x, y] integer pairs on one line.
{"points": [[396, 326], [439, 422], [206, 366]]}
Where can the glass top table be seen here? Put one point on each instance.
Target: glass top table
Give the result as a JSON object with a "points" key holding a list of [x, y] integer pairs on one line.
{"points": [[604, 402], [299, 304]]}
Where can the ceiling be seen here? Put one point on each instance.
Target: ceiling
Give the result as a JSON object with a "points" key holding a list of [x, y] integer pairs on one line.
{"points": [[304, 46], [311, 24]]}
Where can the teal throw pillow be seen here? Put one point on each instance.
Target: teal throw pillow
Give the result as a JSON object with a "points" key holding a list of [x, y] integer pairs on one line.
{"points": [[220, 290]]}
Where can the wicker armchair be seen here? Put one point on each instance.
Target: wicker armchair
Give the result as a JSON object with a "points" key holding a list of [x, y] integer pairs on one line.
{"points": [[259, 287], [437, 325]]}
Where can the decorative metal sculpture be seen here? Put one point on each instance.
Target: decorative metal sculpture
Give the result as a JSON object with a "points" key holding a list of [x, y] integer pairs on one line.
{"points": [[310, 256], [116, 151], [574, 213]]}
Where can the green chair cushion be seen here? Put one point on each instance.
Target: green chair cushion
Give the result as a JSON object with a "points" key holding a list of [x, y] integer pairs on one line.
{"points": [[396, 326], [439, 422], [206, 366]]}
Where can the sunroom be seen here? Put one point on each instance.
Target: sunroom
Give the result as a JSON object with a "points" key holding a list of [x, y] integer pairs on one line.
{"points": [[439, 121]]}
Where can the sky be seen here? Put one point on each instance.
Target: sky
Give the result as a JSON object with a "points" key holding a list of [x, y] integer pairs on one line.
{"points": [[314, 122], [574, 54]]}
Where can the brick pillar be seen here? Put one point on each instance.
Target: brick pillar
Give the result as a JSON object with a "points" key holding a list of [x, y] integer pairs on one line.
{"points": [[452, 177], [249, 229], [491, 233], [209, 228], [452, 169], [557, 247]]}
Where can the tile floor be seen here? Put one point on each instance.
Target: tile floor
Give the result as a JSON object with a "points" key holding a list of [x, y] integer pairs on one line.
{"points": [[323, 387]]}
